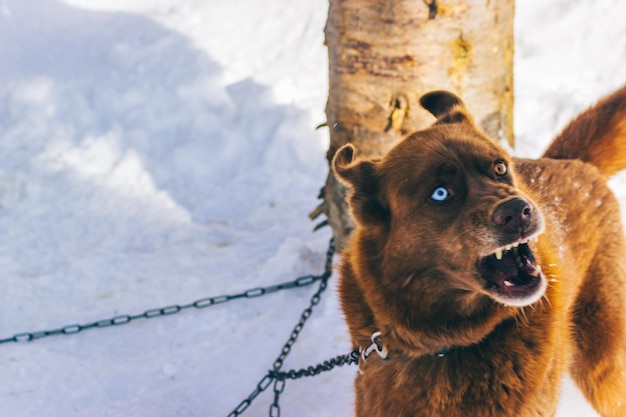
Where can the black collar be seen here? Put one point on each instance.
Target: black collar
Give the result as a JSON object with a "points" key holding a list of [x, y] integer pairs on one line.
{"points": [[378, 347]]}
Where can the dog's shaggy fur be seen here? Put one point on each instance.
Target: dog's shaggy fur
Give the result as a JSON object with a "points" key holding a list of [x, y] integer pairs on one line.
{"points": [[516, 269]]}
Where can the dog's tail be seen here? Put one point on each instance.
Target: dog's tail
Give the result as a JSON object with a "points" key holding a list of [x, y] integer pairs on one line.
{"points": [[596, 136]]}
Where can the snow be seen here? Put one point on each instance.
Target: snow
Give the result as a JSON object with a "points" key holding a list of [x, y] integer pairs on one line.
{"points": [[154, 152]]}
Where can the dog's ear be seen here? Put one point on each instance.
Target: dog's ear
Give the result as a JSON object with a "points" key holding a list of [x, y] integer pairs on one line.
{"points": [[363, 180], [446, 107]]}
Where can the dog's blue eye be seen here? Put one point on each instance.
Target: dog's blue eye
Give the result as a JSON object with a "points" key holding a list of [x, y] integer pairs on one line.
{"points": [[440, 194]]}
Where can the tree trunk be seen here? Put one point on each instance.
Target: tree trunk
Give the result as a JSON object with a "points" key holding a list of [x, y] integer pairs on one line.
{"points": [[384, 54]]}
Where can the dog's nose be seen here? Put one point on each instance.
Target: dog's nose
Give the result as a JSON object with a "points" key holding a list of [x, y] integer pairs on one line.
{"points": [[514, 215]]}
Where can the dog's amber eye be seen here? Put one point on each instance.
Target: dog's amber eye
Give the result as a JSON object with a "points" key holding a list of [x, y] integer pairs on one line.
{"points": [[500, 168]]}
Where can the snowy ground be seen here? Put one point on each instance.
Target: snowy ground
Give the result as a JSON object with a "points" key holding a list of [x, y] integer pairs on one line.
{"points": [[153, 152]]}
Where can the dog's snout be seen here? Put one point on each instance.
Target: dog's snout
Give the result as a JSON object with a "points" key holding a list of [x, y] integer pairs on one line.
{"points": [[513, 215]]}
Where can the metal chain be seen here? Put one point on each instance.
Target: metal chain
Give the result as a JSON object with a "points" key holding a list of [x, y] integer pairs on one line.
{"points": [[174, 309], [315, 300], [351, 358], [278, 377]]}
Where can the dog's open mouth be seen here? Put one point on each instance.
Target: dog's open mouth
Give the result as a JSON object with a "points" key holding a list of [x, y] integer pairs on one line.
{"points": [[512, 275]]}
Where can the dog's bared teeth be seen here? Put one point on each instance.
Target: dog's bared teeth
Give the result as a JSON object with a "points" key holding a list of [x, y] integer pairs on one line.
{"points": [[498, 254], [508, 283], [536, 272]]}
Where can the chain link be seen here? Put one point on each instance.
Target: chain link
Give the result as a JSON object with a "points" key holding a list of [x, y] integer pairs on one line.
{"points": [[279, 387], [71, 329]]}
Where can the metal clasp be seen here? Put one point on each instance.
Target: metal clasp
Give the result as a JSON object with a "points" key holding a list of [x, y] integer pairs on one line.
{"points": [[376, 346]]}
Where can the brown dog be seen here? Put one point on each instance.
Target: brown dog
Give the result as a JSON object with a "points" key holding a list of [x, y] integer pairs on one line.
{"points": [[487, 277]]}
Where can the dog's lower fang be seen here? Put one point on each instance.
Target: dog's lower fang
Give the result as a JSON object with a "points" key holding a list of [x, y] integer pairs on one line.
{"points": [[536, 272], [498, 254]]}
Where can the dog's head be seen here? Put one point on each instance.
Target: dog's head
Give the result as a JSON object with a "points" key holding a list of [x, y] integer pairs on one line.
{"points": [[443, 213]]}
